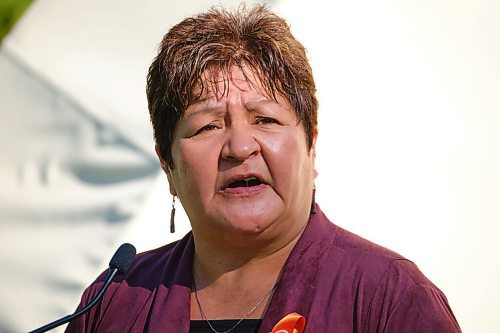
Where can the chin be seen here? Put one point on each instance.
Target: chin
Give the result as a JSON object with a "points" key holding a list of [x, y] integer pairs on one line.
{"points": [[250, 223]]}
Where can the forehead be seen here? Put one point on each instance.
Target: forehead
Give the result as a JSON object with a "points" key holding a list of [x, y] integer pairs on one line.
{"points": [[215, 84]]}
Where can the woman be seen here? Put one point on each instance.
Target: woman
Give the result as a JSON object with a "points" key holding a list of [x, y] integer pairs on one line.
{"points": [[232, 102]]}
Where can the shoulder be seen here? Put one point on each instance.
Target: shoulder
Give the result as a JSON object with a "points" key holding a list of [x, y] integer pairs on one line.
{"points": [[146, 265], [396, 294], [371, 258], [355, 245], [422, 308], [356, 256], [151, 263], [129, 295], [342, 241], [379, 268]]}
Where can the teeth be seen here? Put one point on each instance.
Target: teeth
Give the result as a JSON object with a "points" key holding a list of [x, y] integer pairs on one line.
{"points": [[245, 182]]}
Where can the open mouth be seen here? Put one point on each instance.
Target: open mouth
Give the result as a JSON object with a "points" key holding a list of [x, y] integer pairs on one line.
{"points": [[245, 182]]}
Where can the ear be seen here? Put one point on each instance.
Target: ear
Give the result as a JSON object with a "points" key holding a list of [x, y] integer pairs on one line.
{"points": [[313, 150], [167, 170]]}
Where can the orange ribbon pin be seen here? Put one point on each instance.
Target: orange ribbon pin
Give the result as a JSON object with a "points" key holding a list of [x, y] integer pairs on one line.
{"points": [[291, 323]]}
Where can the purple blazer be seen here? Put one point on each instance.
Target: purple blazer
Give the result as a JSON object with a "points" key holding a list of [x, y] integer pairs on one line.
{"points": [[339, 281]]}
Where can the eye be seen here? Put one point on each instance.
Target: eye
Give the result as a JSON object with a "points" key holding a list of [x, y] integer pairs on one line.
{"points": [[207, 128], [266, 120]]}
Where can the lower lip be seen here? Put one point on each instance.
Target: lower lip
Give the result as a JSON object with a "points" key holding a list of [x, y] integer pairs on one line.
{"points": [[243, 191]]}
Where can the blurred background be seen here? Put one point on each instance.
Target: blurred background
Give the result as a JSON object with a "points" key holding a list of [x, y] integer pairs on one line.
{"points": [[408, 150]]}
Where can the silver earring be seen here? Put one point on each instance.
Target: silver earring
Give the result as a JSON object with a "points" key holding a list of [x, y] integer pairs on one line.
{"points": [[172, 216]]}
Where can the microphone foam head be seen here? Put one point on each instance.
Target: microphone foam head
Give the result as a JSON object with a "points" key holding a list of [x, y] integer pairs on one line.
{"points": [[123, 258]]}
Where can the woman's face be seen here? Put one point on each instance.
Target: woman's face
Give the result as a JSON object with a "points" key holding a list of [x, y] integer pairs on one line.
{"points": [[241, 163]]}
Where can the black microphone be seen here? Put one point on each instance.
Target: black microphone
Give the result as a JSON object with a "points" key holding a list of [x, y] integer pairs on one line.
{"points": [[119, 264]]}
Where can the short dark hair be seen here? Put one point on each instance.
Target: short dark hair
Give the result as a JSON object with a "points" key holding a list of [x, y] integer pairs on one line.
{"points": [[210, 44]]}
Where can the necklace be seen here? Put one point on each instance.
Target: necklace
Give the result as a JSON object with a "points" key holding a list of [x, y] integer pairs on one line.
{"points": [[239, 321]]}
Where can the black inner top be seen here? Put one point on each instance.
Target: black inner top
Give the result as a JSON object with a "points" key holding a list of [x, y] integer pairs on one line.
{"points": [[246, 326]]}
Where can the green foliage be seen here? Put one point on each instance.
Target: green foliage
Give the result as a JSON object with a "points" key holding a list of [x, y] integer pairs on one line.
{"points": [[10, 12]]}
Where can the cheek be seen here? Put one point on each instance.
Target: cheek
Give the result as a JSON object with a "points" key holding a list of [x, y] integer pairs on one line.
{"points": [[196, 167], [286, 156]]}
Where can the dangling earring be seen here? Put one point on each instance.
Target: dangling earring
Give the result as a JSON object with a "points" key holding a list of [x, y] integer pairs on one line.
{"points": [[172, 216], [313, 201]]}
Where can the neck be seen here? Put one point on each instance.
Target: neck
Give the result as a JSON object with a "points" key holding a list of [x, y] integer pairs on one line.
{"points": [[215, 261], [220, 275]]}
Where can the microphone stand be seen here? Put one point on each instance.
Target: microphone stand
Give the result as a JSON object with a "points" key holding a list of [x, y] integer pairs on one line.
{"points": [[70, 317]]}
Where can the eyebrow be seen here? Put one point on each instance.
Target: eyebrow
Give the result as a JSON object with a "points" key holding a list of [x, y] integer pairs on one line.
{"points": [[204, 110], [253, 104], [220, 109]]}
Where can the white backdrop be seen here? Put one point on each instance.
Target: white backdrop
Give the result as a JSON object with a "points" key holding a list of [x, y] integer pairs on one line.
{"points": [[408, 150]]}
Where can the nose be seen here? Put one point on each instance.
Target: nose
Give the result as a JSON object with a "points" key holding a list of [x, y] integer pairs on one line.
{"points": [[240, 143]]}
